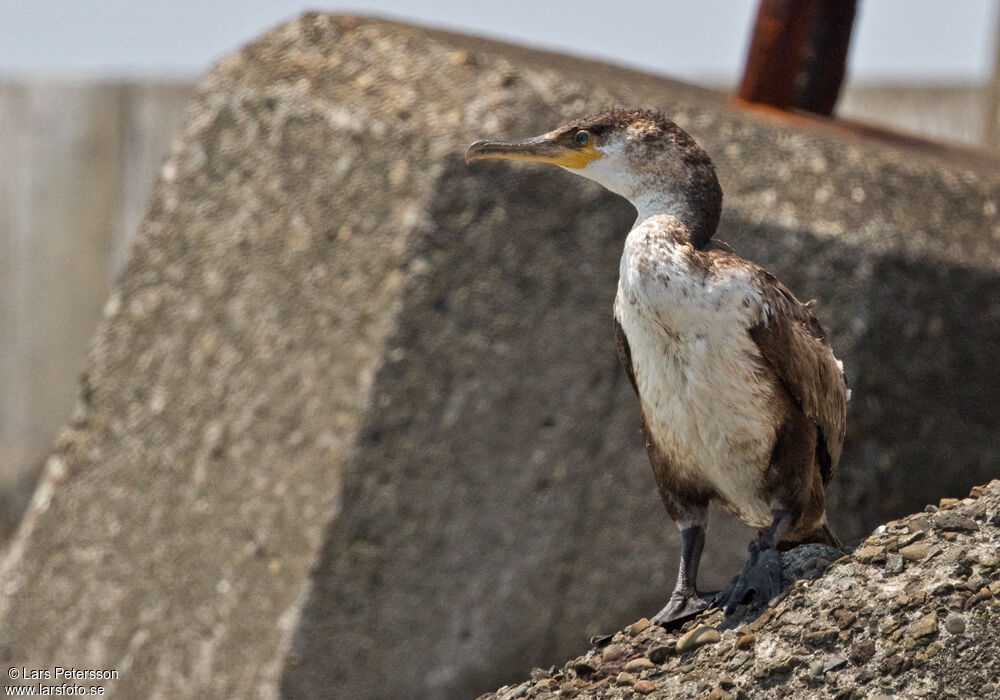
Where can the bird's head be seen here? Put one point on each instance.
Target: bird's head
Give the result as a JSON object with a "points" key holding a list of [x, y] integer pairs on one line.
{"points": [[640, 155]]}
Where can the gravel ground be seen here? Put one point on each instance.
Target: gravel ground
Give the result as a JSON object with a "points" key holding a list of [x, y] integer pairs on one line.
{"points": [[912, 612]]}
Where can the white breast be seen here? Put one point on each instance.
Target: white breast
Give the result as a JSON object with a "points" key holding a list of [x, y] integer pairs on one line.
{"points": [[707, 403]]}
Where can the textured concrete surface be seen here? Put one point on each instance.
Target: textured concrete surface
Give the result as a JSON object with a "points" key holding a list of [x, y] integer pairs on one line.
{"points": [[353, 424]]}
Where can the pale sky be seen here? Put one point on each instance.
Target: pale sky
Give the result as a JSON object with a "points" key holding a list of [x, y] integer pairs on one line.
{"points": [[698, 40]]}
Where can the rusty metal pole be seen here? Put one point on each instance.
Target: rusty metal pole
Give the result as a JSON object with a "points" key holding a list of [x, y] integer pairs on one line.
{"points": [[798, 54]]}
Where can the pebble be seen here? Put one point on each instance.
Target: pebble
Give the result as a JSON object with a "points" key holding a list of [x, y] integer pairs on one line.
{"points": [[870, 554], [915, 552], [640, 664], [894, 564], [719, 694], [625, 678], [659, 654], [816, 669], [613, 652], [926, 626], [990, 560], [745, 641], [697, 637], [644, 687], [862, 651], [951, 521], [844, 618], [955, 624], [637, 627], [817, 637], [943, 588], [834, 662], [583, 668], [946, 502]]}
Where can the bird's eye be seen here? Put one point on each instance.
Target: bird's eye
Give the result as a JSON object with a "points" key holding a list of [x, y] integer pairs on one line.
{"points": [[582, 137]]}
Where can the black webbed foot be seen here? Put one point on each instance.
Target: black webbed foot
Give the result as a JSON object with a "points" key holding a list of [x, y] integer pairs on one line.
{"points": [[760, 578], [682, 606]]}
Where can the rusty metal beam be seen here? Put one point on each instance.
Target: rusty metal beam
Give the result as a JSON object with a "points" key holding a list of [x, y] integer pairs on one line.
{"points": [[798, 54]]}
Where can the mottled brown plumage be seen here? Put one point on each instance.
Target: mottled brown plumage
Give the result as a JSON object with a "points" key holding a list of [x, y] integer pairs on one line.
{"points": [[743, 402]]}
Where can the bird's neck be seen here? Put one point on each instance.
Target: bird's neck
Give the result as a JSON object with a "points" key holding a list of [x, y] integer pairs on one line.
{"points": [[654, 203], [700, 222]]}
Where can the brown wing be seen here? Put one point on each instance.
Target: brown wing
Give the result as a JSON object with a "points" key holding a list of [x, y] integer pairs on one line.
{"points": [[625, 354], [792, 342]]}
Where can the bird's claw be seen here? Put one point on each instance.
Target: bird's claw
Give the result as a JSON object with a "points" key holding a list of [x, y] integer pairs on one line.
{"points": [[683, 605], [761, 578]]}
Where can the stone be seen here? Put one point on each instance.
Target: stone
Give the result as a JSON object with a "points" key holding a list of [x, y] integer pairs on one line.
{"points": [[955, 624], [844, 618], [861, 651], [583, 668], [637, 665], [925, 626], [894, 564], [950, 521], [625, 678], [990, 560], [817, 637], [658, 654], [697, 637], [637, 627], [645, 687], [719, 694], [745, 641], [870, 554], [943, 588], [915, 552], [834, 662]]}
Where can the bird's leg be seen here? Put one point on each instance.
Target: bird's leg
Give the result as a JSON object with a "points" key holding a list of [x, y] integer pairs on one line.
{"points": [[686, 602], [761, 576]]}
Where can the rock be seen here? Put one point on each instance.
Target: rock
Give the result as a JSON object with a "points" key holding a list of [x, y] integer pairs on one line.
{"points": [[951, 521], [844, 618], [870, 554], [614, 652], [834, 662], [637, 665], [943, 588], [625, 678], [894, 664], [926, 626], [955, 624], [894, 564], [697, 637], [583, 668], [745, 641], [947, 502], [637, 627], [915, 552], [990, 560], [719, 694], [861, 652], [816, 669], [659, 654], [817, 637], [645, 687]]}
